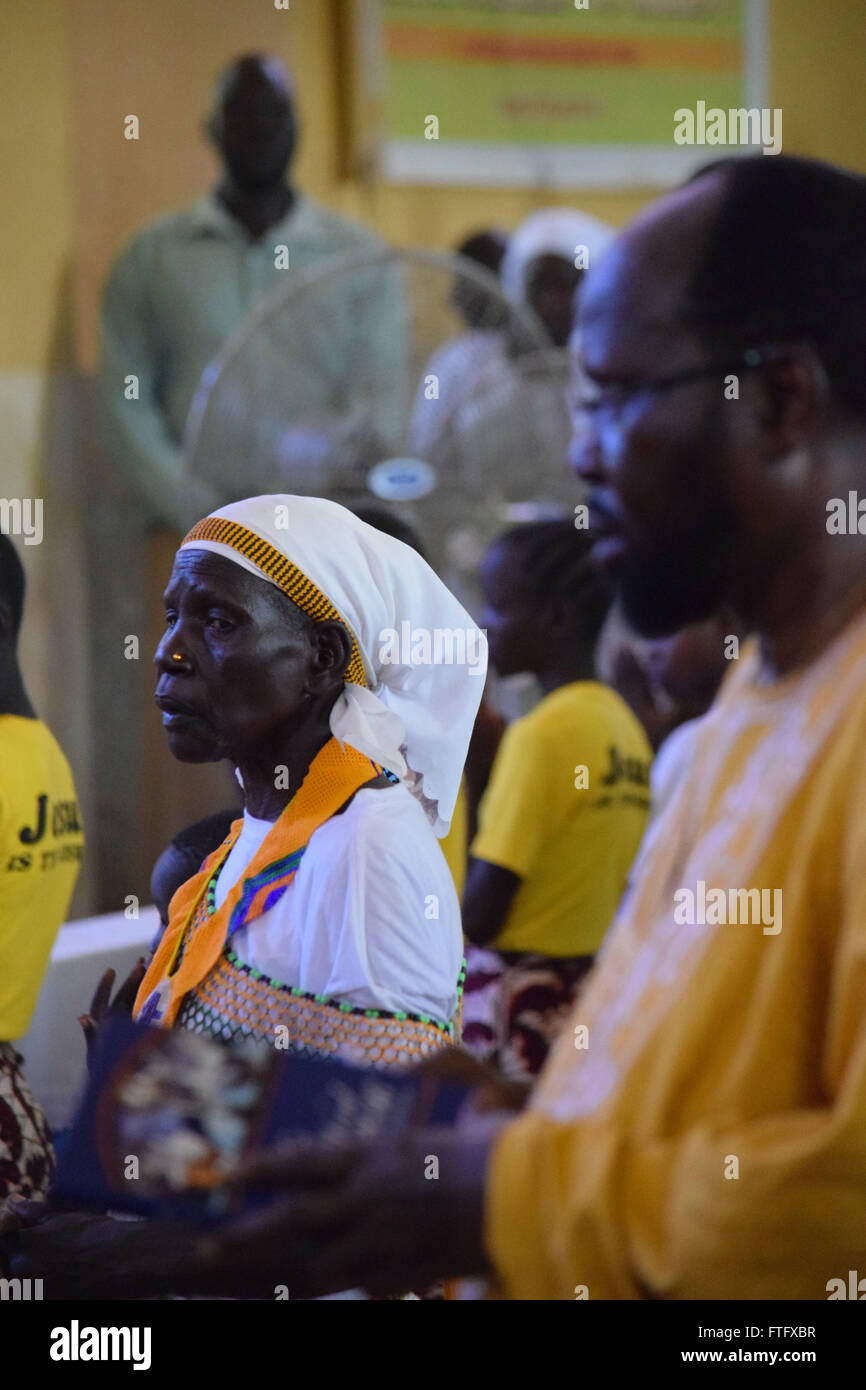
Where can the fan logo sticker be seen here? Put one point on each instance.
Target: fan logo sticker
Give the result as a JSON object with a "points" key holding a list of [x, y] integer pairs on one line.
{"points": [[401, 480]]}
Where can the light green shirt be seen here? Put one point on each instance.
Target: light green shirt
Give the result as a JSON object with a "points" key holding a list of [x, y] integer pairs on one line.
{"points": [[174, 296]]}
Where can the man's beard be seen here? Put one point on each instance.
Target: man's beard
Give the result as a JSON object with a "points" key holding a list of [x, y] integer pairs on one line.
{"points": [[662, 593]]}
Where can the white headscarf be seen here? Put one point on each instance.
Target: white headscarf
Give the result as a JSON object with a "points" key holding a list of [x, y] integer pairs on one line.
{"points": [[550, 232], [415, 718]]}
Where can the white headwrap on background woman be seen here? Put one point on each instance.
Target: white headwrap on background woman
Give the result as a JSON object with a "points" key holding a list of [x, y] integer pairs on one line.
{"points": [[550, 232], [414, 718]]}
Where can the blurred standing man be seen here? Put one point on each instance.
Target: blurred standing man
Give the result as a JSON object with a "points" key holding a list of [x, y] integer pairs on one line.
{"points": [[188, 279], [174, 296], [41, 845], [699, 1131]]}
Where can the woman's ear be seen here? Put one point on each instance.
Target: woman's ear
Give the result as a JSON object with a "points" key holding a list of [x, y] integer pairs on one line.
{"points": [[331, 656]]}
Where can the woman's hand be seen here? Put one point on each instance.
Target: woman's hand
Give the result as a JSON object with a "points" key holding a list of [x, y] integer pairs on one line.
{"points": [[102, 1005], [387, 1216]]}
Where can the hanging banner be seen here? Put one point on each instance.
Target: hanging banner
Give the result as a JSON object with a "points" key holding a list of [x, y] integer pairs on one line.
{"points": [[550, 93]]}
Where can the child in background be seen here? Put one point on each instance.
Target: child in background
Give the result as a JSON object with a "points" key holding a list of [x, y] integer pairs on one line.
{"points": [[686, 670], [669, 683], [566, 806], [180, 859], [184, 857]]}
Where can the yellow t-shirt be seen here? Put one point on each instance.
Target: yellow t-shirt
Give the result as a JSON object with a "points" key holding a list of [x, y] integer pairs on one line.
{"points": [[565, 810], [41, 845], [454, 844], [705, 1136]]}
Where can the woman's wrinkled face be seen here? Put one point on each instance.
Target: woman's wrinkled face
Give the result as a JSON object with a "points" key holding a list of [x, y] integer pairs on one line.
{"points": [[234, 663]]}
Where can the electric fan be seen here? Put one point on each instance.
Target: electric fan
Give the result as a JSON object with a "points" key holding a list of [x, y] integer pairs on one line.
{"points": [[402, 379]]}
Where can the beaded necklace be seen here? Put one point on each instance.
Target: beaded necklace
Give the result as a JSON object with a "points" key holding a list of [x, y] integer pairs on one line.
{"points": [[343, 1005], [193, 944], [211, 894]]}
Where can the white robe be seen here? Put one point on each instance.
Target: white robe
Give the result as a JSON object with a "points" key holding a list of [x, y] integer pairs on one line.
{"points": [[371, 916]]}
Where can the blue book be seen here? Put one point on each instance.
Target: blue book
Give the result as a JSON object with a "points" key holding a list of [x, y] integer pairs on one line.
{"points": [[166, 1113]]}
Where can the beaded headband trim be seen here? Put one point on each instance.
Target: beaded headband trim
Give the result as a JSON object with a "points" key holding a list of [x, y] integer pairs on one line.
{"points": [[286, 575]]}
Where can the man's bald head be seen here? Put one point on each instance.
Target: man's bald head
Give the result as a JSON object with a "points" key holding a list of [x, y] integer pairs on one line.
{"points": [[764, 251], [786, 260], [722, 358], [252, 120], [645, 275]]}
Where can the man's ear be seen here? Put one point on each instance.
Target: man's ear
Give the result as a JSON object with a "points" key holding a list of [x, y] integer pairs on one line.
{"points": [[794, 397], [331, 656]]}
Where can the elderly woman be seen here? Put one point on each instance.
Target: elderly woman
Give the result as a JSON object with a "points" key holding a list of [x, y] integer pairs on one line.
{"points": [[329, 909], [298, 645]]}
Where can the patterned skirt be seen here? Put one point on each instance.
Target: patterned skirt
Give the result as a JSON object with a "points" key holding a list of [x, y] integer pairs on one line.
{"points": [[515, 1005], [26, 1151]]}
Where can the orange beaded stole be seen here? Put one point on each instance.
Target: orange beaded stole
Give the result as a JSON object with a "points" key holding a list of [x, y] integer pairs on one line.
{"points": [[238, 1002], [194, 940]]}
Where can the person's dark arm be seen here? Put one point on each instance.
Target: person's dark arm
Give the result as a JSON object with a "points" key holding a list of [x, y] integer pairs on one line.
{"points": [[483, 745], [359, 1215], [86, 1255], [486, 900]]}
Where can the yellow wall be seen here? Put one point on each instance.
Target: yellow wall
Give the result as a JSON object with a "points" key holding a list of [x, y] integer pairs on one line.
{"points": [[70, 71], [36, 221]]}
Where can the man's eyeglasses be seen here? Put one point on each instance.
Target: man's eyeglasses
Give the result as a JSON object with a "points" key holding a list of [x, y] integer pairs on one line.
{"points": [[610, 400]]}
